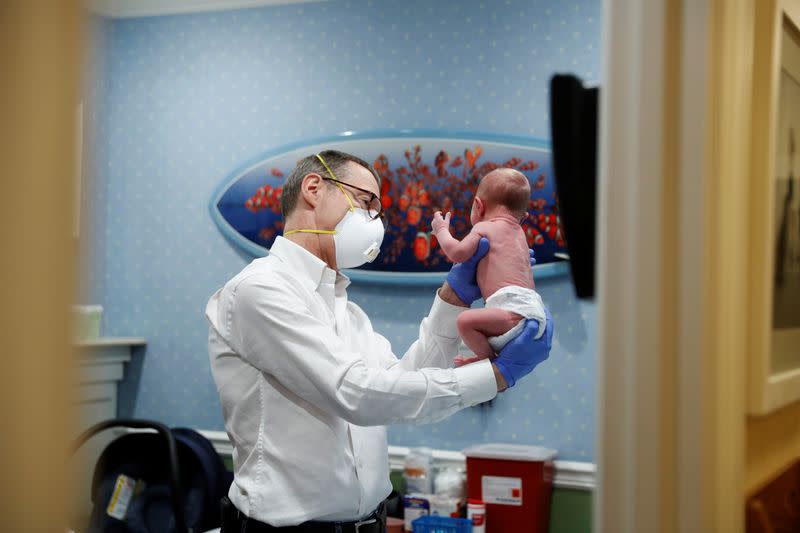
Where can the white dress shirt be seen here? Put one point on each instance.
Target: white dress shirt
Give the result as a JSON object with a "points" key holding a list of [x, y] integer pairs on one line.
{"points": [[307, 386]]}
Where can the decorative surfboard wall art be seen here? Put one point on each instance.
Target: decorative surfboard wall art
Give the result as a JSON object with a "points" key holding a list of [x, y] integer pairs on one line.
{"points": [[422, 171]]}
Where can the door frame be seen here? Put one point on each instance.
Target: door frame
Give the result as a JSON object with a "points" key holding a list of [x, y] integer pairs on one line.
{"points": [[671, 275]]}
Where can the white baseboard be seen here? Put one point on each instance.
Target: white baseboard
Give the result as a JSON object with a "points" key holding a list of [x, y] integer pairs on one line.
{"points": [[569, 474], [220, 441]]}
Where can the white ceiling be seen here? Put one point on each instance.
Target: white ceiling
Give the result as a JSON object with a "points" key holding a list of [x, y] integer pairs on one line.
{"points": [[147, 8]]}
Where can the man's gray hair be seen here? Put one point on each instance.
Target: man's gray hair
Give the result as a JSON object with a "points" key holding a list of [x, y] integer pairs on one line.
{"points": [[335, 159]]}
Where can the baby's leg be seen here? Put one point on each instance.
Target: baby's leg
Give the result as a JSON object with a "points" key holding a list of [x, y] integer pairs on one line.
{"points": [[475, 325]]}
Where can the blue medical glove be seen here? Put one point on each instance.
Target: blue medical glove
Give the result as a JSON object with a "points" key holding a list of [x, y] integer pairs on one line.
{"points": [[533, 257], [461, 277], [523, 353]]}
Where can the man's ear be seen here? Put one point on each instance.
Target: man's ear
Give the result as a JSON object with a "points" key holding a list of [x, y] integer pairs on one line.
{"points": [[311, 188]]}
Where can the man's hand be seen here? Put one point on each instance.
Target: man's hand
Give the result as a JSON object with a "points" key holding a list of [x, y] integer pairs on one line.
{"points": [[461, 277], [440, 224], [523, 353]]}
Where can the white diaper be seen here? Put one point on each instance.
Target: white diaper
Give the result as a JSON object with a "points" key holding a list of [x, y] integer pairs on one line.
{"points": [[522, 301]]}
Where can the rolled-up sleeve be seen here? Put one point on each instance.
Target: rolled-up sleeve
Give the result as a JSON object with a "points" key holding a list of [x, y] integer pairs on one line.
{"points": [[278, 334], [436, 346]]}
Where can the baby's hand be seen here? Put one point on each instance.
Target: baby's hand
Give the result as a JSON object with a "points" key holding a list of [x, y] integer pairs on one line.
{"points": [[438, 224]]}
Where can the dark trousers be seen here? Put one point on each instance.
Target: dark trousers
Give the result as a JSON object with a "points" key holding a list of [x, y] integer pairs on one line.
{"points": [[235, 521]]}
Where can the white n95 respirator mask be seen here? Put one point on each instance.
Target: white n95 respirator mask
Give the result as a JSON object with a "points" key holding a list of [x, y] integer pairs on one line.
{"points": [[357, 239]]}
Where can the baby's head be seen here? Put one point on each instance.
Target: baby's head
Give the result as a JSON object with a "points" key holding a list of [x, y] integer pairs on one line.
{"points": [[501, 191]]}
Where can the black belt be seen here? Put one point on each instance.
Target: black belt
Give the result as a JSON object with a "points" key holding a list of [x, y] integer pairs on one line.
{"points": [[235, 521]]}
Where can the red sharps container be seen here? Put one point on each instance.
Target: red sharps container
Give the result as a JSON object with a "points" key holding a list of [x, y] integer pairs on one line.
{"points": [[515, 482]]}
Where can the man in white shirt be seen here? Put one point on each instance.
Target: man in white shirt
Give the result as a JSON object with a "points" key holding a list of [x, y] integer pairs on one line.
{"points": [[307, 386]]}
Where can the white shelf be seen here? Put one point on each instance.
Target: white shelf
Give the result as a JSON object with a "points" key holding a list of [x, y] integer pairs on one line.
{"points": [[103, 342]]}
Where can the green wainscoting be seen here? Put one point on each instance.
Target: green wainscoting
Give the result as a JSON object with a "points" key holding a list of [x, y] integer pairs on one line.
{"points": [[571, 511]]}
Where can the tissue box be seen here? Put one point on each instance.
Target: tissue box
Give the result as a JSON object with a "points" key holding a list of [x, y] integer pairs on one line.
{"points": [[86, 322]]}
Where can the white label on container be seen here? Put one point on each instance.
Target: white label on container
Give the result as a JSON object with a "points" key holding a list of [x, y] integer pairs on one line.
{"points": [[121, 497], [502, 490]]}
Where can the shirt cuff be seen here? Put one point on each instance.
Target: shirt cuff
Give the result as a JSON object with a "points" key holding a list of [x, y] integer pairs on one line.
{"points": [[476, 382], [443, 318]]}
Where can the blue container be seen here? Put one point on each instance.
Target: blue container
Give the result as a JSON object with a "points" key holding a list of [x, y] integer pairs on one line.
{"points": [[441, 524]]}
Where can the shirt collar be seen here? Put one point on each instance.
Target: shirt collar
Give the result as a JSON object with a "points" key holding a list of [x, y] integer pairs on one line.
{"points": [[311, 270]]}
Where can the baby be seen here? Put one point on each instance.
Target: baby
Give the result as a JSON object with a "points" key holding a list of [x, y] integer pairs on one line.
{"points": [[504, 274]]}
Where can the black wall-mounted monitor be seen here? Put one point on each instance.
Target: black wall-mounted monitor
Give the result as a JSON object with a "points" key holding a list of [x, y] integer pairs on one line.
{"points": [[573, 115]]}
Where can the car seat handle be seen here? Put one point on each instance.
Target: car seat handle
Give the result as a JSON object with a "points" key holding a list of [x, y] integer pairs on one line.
{"points": [[174, 467]]}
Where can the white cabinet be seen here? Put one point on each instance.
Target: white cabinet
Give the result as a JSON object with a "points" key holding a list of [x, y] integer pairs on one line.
{"points": [[102, 366]]}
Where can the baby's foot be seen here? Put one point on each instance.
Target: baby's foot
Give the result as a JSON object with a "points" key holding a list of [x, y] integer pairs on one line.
{"points": [[460, 360]]}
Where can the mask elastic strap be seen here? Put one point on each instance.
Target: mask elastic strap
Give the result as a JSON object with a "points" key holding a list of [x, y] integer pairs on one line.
{"points": [[352, 207], [323, 231]]}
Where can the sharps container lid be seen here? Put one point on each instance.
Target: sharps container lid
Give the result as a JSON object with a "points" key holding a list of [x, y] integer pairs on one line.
{"points": [[510, 452]]}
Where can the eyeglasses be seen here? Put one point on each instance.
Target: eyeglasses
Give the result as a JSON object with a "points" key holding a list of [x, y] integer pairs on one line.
{"points": [[373, 206]]}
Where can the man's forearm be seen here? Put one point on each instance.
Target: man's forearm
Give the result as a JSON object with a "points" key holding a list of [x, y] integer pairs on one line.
{"points": [[447, 294]]}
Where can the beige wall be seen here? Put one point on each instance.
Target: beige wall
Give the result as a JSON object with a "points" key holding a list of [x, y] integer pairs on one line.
{"points": [[38, 82]]}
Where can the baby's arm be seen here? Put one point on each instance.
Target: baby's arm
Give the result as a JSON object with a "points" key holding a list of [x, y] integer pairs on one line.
{"points": [[455, 250]]}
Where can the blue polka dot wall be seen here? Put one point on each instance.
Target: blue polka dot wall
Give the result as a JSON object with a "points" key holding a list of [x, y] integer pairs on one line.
{"points": [[179, 101]]}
